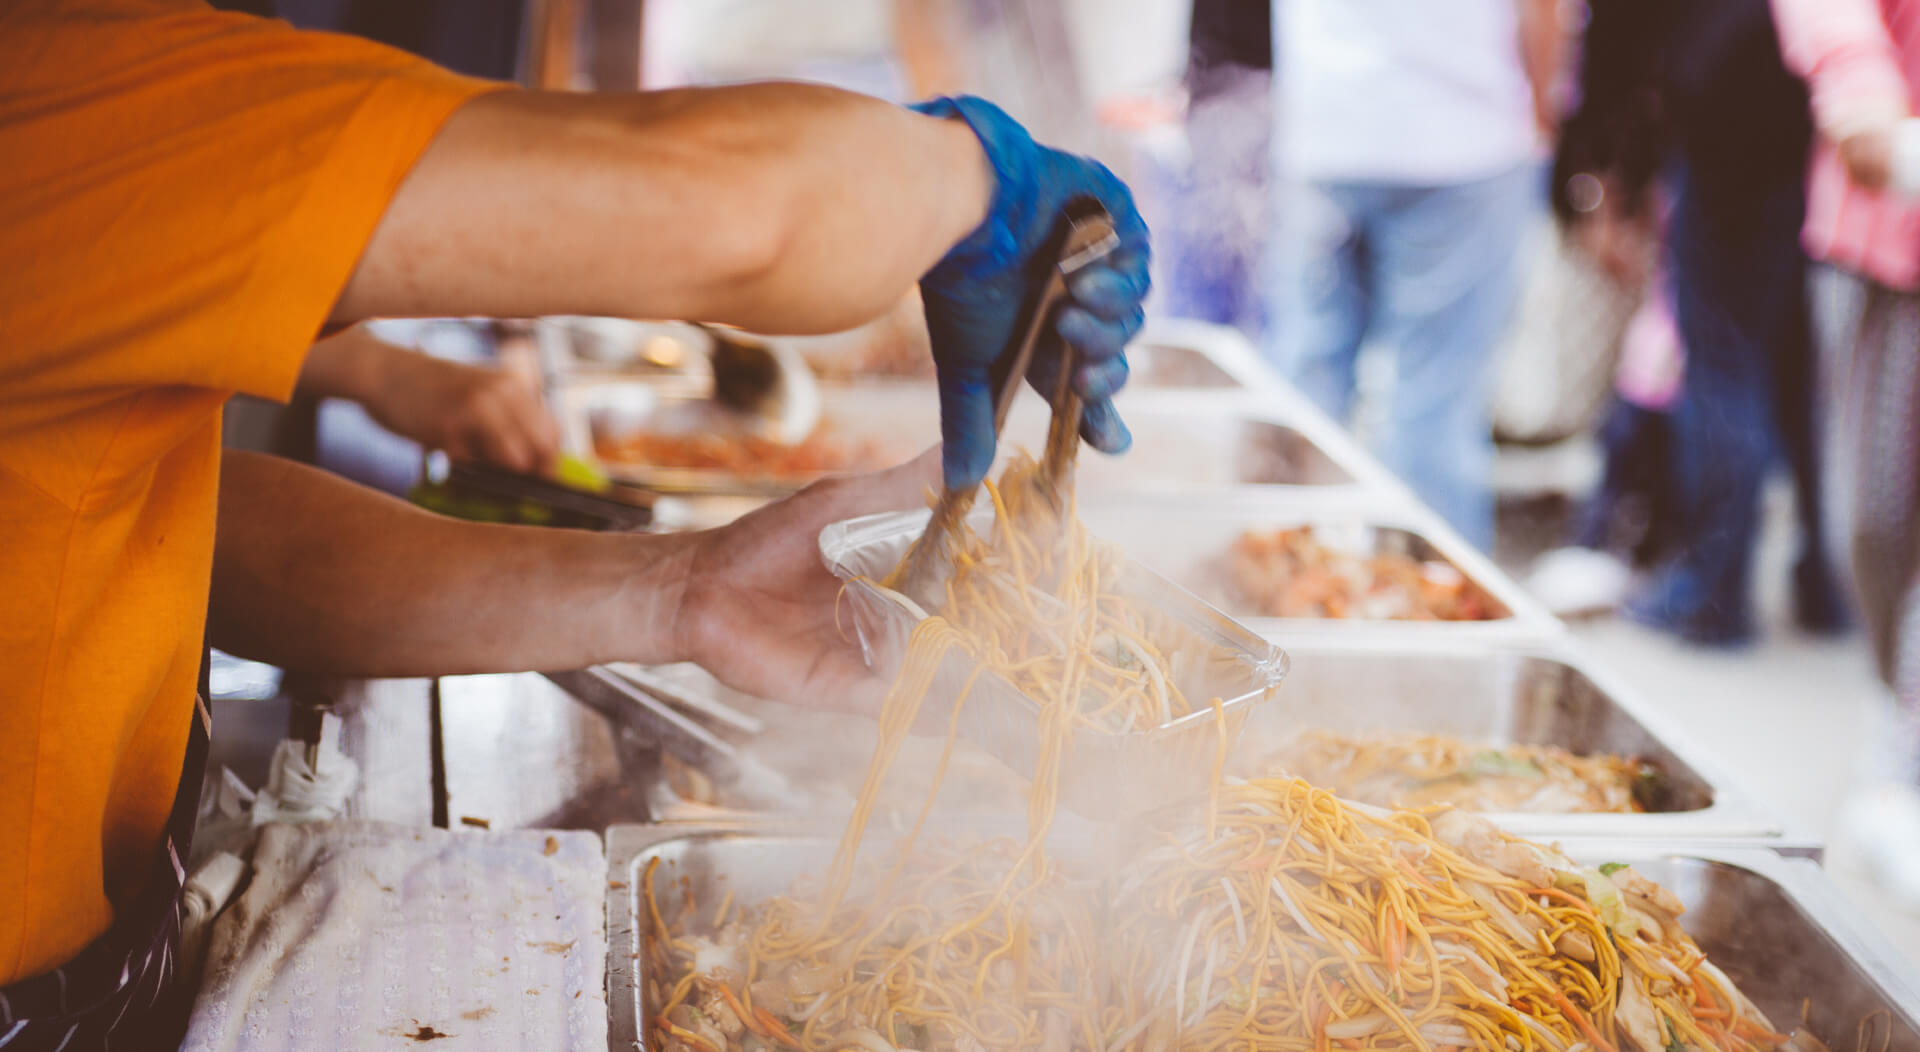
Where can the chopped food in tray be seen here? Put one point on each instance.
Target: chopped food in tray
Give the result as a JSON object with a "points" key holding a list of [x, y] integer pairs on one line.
{"points": [[1292, 573], [745, 456], [1288, 920], [1422, 770]]}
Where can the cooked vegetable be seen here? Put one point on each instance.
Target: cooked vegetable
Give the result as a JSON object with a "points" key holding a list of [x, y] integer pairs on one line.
{"points": [[1291, 573], [1421, 770]]}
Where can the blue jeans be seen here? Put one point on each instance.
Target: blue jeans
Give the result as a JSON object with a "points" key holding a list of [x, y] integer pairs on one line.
{"points": [[1431, 272], [1738, 289]]}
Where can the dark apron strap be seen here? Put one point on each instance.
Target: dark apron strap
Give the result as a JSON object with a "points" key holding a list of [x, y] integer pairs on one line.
{"points": [[121, 988]]}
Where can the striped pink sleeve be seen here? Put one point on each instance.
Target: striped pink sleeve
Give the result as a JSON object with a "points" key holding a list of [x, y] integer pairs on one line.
{"points": [[1846, 53]]}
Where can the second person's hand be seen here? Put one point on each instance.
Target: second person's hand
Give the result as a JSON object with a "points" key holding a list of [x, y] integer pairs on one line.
{"points": [[470, 412], [974, 295]]}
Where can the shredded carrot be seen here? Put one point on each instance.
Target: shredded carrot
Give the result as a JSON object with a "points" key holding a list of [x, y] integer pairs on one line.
{"points": [[775, 1029], [726, 994], [1705, 1005], [1564, 896], [1396, 942], [1573, 1012], [1417, 876], [685, 1035]]}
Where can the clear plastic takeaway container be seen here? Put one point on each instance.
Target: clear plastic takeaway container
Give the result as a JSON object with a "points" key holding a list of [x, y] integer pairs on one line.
{"points": [[1103, 774]]}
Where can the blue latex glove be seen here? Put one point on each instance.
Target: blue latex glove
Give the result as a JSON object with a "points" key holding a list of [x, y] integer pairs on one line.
{"points": [[973, 296]]}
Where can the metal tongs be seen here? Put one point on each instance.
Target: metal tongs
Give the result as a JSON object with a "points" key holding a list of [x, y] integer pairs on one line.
{"points": [[1084, 236], [699, 729]]}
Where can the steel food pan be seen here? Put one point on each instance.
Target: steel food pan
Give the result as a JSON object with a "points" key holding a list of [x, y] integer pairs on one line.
{"points": [[1179, 442], [1188, 540], [1506, 695], [1528, 694], [1775, 925]]}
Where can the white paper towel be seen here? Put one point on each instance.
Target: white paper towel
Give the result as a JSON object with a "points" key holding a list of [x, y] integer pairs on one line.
{"points": [[358, 935]]}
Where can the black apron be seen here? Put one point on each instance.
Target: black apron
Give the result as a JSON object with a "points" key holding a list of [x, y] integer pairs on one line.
{"points": [[122, 991]]}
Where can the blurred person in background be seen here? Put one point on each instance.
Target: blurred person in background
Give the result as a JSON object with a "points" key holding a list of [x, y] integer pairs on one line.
{"points": [[1214, 228], [1408, 136], [1628, 520], [1861, 59], [1686, 111], [480, 38]]}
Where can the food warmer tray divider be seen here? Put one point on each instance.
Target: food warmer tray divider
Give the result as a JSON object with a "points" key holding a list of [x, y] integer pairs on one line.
{"points": [[1519, 691], [1183, 441], [1777, 925]]}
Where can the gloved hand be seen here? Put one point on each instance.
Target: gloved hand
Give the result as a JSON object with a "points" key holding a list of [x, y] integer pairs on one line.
{"points": [[973, 296]]}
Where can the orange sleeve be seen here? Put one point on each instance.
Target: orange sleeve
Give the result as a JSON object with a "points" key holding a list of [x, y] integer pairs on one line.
{"points": [[193, 190]]}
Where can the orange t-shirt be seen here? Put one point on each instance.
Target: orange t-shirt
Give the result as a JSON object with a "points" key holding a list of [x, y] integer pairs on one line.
{"points": [[183, 195]]}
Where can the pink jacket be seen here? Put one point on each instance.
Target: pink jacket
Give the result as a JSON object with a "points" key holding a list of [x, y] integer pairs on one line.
{"points": [[1861, 60]]}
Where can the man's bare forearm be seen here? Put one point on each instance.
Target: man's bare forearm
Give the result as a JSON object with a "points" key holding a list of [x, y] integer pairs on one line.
{"points": [[314, 572], [779, 207]]}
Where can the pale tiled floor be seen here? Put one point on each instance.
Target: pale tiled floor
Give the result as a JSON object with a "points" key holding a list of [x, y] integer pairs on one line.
{"points": [[1793, 717]]}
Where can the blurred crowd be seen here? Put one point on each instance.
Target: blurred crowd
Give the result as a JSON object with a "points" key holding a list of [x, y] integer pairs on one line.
{"points": [[1743, 177]]}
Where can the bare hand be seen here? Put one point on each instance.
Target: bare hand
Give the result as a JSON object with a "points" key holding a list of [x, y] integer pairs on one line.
{"points": [[471, 412], [761, 612], [1868, 155]]}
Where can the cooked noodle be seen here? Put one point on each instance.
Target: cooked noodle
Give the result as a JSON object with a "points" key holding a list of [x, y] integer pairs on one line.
{"points": [[1286, 919]]}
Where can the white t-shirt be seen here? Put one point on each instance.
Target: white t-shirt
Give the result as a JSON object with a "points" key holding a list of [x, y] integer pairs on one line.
{"points": [[1406, 91]]}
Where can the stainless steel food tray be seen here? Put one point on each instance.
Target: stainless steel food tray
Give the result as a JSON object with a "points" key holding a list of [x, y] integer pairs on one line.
{"points": [[1182, 539], [1776, 925], [1181, 441], [1531, 694], [1509, 693]]}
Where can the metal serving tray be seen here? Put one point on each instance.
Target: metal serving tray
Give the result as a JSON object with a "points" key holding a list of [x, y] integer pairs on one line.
{"points": [[1520, 693], [1775, 925], [1181, 441], [1183, 539], [1502, 695]]}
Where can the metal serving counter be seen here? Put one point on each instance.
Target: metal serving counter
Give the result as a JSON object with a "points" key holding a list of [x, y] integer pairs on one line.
{"points": [[1221, 448]]}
